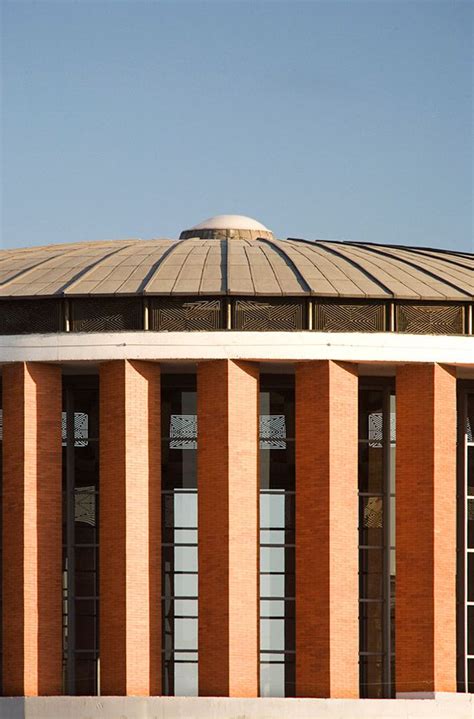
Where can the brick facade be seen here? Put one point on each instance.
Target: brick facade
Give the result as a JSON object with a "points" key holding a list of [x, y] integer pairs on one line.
{"points": [[228, 528], [327, 627], [327, 632], [130, 528], [32, 613], [426, 529]]}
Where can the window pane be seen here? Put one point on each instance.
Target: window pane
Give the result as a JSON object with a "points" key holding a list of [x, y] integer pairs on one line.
{"points": [[85, 631], [370, 468], [470, 523], [470, 630], [185, 634], [371, 677], [185, 680], [272, 680], [272, 585], [185, 559], [86, 672], [371, 574], [86, 558], [470, 577], [272, 634], [272, 559], [272, 510], [470, 675], [185, 585], [185, 510], [188, 607], [371, 621], [275, 608], [272, 536], [371, 521], [470, 470], [85, 584], [185, 536]]}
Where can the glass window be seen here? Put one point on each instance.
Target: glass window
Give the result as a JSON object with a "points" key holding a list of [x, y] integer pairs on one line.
{"points": [[80, 439], [376, 538], [465, 647], [277, 541], [179, 535]]}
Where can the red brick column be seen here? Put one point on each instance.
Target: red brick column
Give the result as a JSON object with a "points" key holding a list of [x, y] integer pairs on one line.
{"points": [[130, 528], [327, 632], [32, 614], [228, 528], [426, 529]]}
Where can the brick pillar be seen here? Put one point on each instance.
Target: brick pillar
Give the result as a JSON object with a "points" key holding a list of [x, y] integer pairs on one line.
{"points": [[32, 614], [130, 529], [426, 529], [327, 632], [228, 528]]}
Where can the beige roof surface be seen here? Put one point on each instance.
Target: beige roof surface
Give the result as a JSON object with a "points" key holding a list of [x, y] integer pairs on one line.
{"points": [[262, 266]]}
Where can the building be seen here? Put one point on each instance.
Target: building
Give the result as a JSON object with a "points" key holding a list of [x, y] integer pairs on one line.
{"points": [[203, 443]]}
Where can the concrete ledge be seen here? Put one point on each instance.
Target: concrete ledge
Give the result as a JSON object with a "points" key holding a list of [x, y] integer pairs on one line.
{"points": [[446, 706], [257, 346]]}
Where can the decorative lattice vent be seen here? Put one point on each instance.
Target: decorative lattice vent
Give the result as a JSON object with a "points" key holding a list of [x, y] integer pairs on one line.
{"points": [[180, 315], [375, 429], [106, 314], [430, 319], [272, 431], [268, 315], [183, 431], [21, 317], [342, 317]]}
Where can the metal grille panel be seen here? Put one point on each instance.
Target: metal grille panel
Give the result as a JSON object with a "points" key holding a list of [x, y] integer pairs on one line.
{"points": [[335, 317], [180, 315], [430, 319], [106, 314], [268, 315], [21, 317]]}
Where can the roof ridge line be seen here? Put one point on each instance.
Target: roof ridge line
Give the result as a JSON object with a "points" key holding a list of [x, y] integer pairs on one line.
{"points": [[419, 268], [79, 275], [429, 252], [458, 253], [289, 261], [354, 263], [22, 272], [141, 290], [184, 263]]}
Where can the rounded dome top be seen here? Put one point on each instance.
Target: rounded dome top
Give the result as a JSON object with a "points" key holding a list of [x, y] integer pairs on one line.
{"points": [[228, 226], [230, 222]]}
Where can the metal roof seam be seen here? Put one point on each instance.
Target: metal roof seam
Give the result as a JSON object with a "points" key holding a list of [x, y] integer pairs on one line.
{"points": [[202, 270], [356, 264], [24, 272], [299, 276], [419, 268], [250, 269], [435, 254], [142, 289], [80, 275]]}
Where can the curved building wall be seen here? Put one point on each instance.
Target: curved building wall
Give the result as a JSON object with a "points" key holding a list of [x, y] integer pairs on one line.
{"points": [[340, 453], [202, 446]]}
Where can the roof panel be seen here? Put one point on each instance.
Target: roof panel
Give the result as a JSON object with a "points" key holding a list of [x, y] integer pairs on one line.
{"points": [[238, 266]]}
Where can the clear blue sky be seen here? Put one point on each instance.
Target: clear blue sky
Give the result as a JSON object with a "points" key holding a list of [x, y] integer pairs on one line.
{"points": [[346, 120]]}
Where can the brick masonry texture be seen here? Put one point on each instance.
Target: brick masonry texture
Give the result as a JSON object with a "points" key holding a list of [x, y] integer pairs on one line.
{"points": [[426, 529], [130, 536], [228, 528], [32, 613], [327, 632]]}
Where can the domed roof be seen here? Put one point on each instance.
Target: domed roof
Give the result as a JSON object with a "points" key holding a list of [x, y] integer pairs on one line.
{"points": [[230, 222], [257, 265], [228, 227]]}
